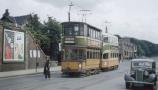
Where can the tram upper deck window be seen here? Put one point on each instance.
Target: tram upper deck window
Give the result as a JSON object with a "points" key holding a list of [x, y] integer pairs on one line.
{"points": [[81, 30], [88, 32], [85, 30], [76, 29], [93, 33], [68, 31]]}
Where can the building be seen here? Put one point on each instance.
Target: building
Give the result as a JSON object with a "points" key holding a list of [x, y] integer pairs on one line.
{"points": [[19, 21], [127, 49], [18, 48]]}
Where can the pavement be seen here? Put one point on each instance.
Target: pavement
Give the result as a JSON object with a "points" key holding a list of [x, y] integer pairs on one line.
{"points": [[26, 72]]}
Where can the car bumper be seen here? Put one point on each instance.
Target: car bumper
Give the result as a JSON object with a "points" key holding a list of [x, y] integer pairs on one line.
{"points": [[139, 82]]}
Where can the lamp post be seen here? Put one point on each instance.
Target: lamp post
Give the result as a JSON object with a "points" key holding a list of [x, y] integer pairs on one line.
{"points": [[36, 54]]}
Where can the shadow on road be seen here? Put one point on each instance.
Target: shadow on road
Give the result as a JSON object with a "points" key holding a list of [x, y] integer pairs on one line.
{"points": [[140, 88]]}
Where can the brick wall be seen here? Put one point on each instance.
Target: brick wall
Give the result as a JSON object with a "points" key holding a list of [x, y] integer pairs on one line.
{"points": [[31, 48], [30, 45], [9, 66]]}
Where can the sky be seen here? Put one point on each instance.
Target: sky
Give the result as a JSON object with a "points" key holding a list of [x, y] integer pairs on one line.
{"points": [[128, 18]]}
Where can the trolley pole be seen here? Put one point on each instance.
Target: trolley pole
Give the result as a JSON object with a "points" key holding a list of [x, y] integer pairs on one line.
{"points": [[84, 13], [70, 5], [106, 27]]}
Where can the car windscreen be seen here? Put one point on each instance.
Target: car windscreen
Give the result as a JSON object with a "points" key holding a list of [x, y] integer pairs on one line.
{"points": [[142, 64]]}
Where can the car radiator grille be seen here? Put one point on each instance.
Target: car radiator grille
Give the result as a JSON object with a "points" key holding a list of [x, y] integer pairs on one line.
{"points": [[139, 75]]}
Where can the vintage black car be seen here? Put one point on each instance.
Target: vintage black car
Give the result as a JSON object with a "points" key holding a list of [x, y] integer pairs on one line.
{"points": [[142, 73]]}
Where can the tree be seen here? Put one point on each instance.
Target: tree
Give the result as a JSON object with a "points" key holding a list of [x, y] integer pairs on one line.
{"points": [[52, 30], [35, 27], [48, 34], [145, 48]]}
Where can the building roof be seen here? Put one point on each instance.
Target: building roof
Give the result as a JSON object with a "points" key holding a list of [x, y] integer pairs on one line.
{"points": [[6, 17], [20, 20]]}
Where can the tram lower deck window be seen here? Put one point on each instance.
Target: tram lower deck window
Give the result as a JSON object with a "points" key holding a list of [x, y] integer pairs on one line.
{"points": [[75, 54], [105, 56]]}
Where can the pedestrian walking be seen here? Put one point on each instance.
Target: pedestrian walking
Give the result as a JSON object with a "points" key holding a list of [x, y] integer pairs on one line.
{"points": [[47, 69]]}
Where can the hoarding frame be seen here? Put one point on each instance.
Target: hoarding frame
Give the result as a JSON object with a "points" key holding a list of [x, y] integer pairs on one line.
{"points": [[4, 48]]}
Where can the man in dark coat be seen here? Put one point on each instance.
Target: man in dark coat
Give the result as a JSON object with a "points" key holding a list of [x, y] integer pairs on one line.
{"points": [[47, 69]]}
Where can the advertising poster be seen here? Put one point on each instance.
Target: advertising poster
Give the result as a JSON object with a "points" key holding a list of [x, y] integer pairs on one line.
{"points": [[13, 46]]}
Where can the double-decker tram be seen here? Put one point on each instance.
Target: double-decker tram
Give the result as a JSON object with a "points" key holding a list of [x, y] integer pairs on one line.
{"points": [[110, 52], [81, 44]]}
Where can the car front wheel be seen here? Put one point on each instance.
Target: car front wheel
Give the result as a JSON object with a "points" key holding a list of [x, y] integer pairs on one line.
{"points": [[154, 87]]}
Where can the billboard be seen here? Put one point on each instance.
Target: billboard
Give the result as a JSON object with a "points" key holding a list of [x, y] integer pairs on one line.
{"points": [[13, 46]]}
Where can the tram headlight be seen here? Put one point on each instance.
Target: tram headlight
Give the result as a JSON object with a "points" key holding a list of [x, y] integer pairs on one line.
{"points": [[105, 63], [80, 66]]}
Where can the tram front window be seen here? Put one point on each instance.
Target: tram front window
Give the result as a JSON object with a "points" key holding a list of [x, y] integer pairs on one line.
{"points": [[105, 56], [74, 54]]}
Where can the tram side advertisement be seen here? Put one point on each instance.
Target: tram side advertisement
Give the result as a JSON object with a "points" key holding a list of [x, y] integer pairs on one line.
{"points": [[13, 46]]}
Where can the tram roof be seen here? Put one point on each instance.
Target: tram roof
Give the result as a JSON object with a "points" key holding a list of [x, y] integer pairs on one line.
{"points": [[109, 35], [83, 23]]}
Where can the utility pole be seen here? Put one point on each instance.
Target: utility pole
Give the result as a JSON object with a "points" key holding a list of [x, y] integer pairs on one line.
{"points": [[106, 27], [84, 14], [70, 5]]}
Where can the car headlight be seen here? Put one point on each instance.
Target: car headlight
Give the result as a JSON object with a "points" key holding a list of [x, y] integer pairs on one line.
{"points": [[146, 73], [132, 72]]}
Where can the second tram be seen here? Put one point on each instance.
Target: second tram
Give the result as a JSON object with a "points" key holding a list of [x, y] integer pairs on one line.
{"points": [[110, 52]]}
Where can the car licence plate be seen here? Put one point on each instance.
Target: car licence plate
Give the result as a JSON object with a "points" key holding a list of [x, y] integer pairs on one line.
{"points": [[138, 84]]}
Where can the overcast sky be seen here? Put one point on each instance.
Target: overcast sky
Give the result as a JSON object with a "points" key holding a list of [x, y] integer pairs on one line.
{"points": [[133, 18]]}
